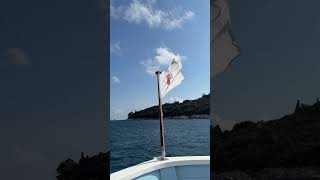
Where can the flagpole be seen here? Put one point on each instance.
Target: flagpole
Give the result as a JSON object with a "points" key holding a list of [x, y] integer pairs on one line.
{"points": [[162, 145]]}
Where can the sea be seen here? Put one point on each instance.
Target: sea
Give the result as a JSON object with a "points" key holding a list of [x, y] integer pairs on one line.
{"points": [[136, 141]]}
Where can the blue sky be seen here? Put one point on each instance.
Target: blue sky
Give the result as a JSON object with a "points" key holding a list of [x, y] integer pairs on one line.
{"points": [[144, 36]]}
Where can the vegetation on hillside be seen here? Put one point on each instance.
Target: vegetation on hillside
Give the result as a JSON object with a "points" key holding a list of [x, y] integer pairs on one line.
{"points": [[186, 108]]}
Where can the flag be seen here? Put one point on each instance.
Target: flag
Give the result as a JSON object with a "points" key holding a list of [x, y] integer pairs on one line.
{"points": [[223, 46], [171, 78]]}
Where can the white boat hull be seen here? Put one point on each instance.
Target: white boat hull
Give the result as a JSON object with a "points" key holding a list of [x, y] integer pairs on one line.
{"points": [[173, 168]]}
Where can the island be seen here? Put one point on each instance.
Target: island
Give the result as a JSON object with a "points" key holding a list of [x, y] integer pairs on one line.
{"points": [[188, 109], [284, 148]]}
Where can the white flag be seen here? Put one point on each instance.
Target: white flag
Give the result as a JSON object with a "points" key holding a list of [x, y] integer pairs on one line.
{"points": [[171, 78], [223, 47]]}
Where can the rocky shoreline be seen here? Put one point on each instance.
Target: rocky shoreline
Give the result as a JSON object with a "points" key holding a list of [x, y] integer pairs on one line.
{"points": [[197, 116]]}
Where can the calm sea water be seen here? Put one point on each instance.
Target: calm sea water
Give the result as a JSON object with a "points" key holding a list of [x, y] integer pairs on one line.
{"points": [[135, 141]]}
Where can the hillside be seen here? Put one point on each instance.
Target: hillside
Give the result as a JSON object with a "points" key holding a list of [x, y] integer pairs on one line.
{"points": [[189, 108], [87, 168], [267, 148]]}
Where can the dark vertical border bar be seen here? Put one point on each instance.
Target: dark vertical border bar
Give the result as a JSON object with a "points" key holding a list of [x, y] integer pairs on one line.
{"points": [[107, 75], [211, 92]]}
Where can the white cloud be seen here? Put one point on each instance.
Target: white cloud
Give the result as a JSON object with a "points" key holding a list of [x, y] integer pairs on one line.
{"points": [[150, 66], [116, 12], [175, 99], [163, 57], [115, 48], [139, 12], [115, 79]]}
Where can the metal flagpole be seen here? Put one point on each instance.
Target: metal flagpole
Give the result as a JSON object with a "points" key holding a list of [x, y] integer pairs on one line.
{"points": [[162, 145]]}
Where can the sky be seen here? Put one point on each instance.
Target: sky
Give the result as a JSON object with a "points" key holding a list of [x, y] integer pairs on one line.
{"points": [[145, 35], [279, 61], [53, 90]]}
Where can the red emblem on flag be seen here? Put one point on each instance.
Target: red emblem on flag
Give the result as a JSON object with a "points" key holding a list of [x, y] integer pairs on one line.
{"points": [[169, 78]]}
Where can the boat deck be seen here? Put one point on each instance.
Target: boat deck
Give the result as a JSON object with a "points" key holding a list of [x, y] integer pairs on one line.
{"points": [[172, 168]]}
